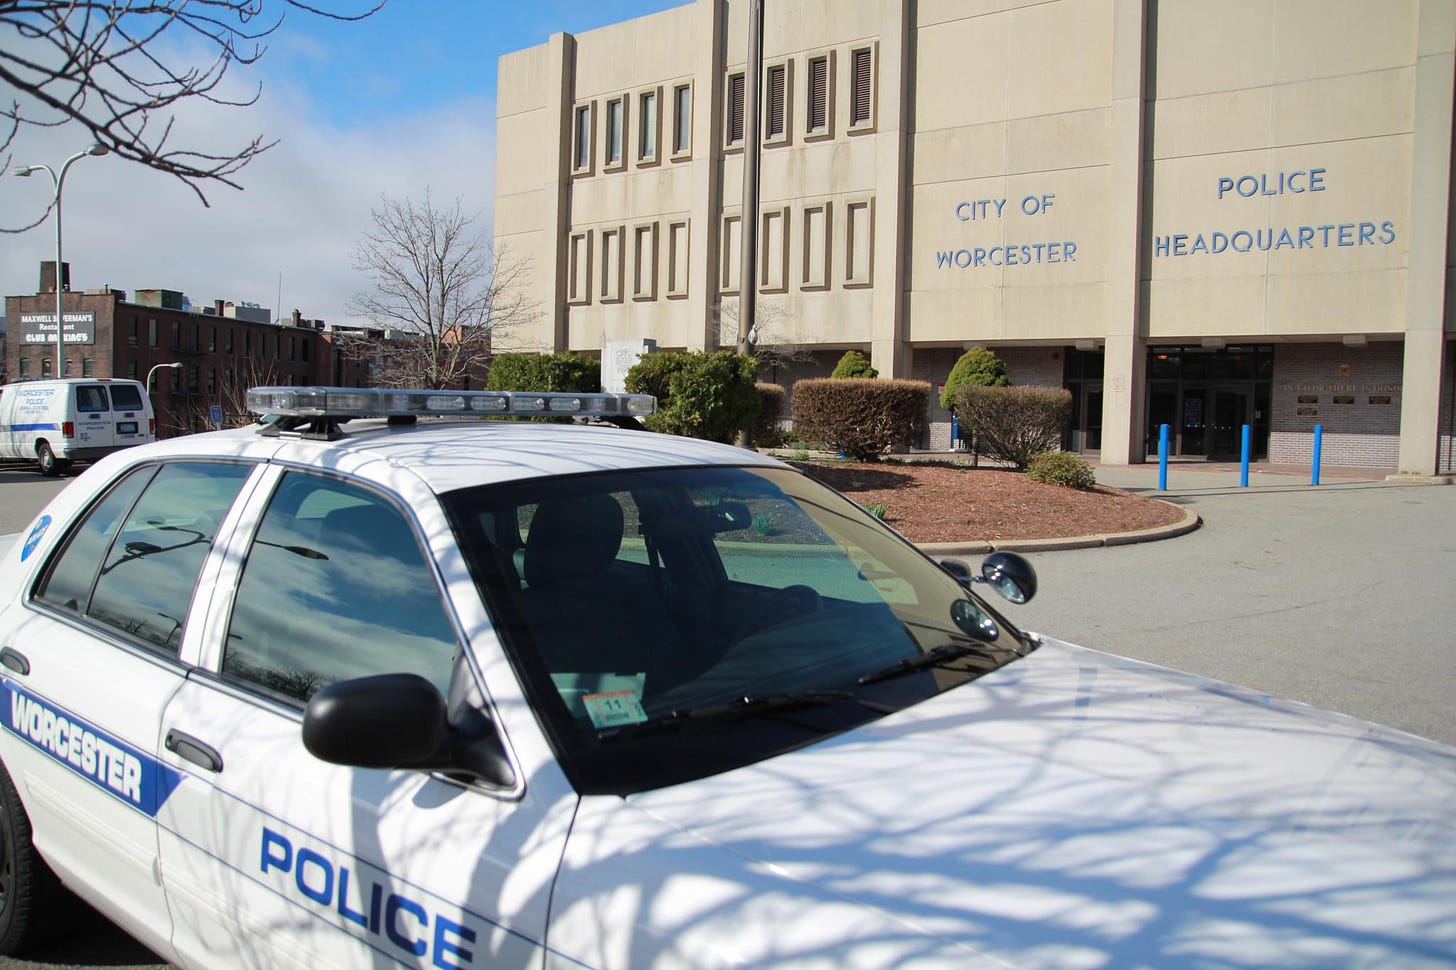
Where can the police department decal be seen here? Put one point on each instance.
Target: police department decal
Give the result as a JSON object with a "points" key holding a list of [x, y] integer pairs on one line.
{"points": [[117, 768], [33, 540]]}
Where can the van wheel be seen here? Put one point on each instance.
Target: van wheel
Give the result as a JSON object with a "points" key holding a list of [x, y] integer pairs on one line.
{"points": [[50, 466], [29, 891]]}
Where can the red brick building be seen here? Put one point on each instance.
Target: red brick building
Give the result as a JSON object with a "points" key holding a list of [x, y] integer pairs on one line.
{"points": [[223, 349]]}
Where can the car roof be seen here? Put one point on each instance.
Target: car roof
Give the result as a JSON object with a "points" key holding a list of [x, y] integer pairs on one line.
{"points": [[449, 454]]}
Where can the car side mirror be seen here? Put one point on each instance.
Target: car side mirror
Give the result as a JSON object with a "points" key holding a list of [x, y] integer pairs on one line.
{"points": [[1007, 573], [1010, 575], [401, 721]]}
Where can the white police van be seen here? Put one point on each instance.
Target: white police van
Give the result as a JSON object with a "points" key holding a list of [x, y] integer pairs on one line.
{"points": [[57, 422], [461, 693]]}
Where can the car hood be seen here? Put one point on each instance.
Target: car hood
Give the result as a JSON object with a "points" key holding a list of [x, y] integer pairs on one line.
{"points": [[1071, 809]]}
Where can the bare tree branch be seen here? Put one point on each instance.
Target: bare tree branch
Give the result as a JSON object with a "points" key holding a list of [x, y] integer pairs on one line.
{"points": [[443, 298], [103, 65], [771, 343]]}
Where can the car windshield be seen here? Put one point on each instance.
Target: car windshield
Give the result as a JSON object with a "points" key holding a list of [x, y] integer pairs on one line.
{"points": [[674, 623]]}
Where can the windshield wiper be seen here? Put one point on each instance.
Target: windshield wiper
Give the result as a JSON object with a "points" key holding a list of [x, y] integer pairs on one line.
{"points": [[935, 657], [749, 705]]}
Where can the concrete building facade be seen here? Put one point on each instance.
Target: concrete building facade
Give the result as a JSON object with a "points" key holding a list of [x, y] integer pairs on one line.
{"points": [[1196, 214]]}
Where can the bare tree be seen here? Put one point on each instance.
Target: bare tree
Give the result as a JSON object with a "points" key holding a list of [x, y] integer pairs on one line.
{"points": [[111, 67], [769, 342], [191, 411], [443, 298]]}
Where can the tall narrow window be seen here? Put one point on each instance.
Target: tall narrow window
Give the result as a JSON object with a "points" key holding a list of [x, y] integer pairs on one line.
{"points": [[862, 87], [682, 122], [776, 109], [611, 289], [734, 119], [818, 114], [647, 120], [677, 259], [583, 138], [614, 132], [579, 268]]}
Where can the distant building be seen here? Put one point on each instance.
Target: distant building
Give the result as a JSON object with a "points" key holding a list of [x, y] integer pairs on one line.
{"points": [[223, 349]]}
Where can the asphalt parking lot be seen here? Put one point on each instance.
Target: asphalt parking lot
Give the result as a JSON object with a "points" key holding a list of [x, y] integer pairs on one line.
{"points": [[1338, 595]]}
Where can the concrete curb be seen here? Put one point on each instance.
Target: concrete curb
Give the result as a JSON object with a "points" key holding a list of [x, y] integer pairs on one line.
{"points": [[1191, 521], [1406, 478]]}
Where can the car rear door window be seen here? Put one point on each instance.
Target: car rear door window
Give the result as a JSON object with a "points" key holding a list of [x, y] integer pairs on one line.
{"points": [[133, 562], [335, 587]]}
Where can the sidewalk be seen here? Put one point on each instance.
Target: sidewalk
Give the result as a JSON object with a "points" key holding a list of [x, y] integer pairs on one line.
{"points": [[1206, 477], [1196, 476]]}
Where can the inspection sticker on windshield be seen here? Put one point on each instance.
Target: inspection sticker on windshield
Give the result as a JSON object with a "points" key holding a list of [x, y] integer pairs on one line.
{"points": [[614, 708]]}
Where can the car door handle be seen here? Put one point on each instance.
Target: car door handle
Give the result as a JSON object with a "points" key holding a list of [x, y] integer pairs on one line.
{"points": [[15, 660], [188, 748]]}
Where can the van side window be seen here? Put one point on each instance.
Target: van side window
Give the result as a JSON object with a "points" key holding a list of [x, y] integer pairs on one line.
{"points": [[126, 397], [335, 587], [149, 536], [91, 397]]}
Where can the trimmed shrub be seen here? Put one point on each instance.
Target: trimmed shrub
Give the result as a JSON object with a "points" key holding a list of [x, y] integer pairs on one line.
{"points": [[853, 364], [653, 373], [978, 367], [771, 401], [544, 372], [699, 395], [1015, 423], [1061, 468], [863, 418]]}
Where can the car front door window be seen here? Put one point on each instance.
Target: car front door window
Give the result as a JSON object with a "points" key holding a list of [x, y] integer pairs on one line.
{"points": [[335, 587]]}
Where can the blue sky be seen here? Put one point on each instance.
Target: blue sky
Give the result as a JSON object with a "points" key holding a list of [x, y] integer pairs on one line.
{"points": [[396, 104]]}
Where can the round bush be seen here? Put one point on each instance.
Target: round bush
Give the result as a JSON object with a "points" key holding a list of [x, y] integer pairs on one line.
{"points": [[1061, 468], [977, 367], [853, 364]]}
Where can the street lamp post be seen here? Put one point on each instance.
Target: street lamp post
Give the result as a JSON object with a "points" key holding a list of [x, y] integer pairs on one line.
{"points": [[175, 365], [25, 171]]}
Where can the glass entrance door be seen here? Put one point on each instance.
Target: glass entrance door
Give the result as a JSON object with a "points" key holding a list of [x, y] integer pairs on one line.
{"points": [[1230, 413], [1086, 418], [1193, 437]]}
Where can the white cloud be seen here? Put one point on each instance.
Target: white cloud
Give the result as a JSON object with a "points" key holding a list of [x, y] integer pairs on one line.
{"points": [[305, 204]]}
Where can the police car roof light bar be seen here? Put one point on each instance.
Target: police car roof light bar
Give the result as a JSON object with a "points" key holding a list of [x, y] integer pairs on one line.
{"points": [[343, 403]]}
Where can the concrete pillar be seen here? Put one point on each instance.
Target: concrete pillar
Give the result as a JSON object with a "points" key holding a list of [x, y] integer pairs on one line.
{"points": [[889, 352], [1125, 368], [705, 228], [1430, 208], [555, 220]]}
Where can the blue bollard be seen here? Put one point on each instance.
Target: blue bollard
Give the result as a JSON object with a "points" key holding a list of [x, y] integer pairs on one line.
{"points": [[1319, 433], [1244, 461], [1162, 457]]}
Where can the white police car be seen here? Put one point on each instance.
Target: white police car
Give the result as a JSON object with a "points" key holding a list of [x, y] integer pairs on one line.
{"points": [[505, 694]]}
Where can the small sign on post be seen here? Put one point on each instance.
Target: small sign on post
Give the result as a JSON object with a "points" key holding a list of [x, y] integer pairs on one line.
{"points": [[217, 415]]}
